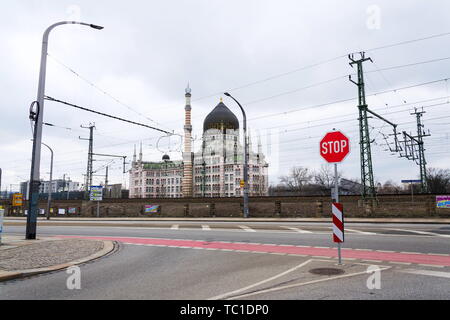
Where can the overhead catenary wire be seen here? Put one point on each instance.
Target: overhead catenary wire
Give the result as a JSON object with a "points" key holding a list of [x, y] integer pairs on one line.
{"points": [[106, 115], [345, 100], [101, 90]]}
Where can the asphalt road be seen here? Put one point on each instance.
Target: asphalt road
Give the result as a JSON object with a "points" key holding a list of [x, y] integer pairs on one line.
{"points": [[248, 261]]}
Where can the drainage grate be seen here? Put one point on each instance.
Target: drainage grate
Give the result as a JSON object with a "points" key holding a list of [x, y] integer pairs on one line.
{"points": [[327, 271]]}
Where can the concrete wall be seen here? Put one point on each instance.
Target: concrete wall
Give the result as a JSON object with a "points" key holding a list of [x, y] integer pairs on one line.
{"points": [[387, 206]]}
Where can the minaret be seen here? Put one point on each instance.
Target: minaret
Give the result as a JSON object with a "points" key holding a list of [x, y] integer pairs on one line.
{"points": [[140, 153], [259, 144], [134, 155], [187, 154]]}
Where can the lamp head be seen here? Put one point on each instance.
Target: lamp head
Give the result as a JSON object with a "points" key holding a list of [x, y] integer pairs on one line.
{"points": [[227, 94], [96, 27]]}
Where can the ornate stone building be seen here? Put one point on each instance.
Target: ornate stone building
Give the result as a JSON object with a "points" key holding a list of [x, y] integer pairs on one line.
{"points": [[216, 170]]}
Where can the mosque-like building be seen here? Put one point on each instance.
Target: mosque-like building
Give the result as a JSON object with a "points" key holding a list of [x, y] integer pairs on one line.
{"points": [[216, 170]]}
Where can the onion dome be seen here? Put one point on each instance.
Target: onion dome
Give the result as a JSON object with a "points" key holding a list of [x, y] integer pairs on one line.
{"points": [[221, 118]]}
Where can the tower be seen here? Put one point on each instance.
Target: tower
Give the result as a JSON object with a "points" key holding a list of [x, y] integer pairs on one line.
{"points": [[422, 162], [187, 154], [367, 181]]}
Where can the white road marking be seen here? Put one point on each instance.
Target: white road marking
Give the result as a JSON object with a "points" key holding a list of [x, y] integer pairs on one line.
{"points": [[220, 297], [301, 284], [175, 227], [429, 273], [246, 228], [422, 232], [431, 265], [205, 227], [358, 231], [296, 229]]}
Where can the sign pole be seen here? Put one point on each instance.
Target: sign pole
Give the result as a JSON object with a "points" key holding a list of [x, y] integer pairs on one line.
{"points": [[2, 212], [334, 147], [98, 209], [336, 193]]}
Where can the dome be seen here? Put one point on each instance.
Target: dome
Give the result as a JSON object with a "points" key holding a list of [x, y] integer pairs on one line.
{"points": [[221, 118], [166, 157]]}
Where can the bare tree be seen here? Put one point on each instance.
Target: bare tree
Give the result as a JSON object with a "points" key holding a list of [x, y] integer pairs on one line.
{"points": [[390, 187], [324, 178], [297, 179], [438, 180]]}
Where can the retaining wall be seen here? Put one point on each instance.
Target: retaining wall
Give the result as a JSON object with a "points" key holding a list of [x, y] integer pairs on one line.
{"points": [[423, 206]]}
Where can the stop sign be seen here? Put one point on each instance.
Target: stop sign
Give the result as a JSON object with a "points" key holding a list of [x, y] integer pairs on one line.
{"points": [[334, 147]]}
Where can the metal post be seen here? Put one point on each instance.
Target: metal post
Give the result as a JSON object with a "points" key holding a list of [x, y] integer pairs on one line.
{"points": [[98, 209], [64, 184], [49, 200], [68, 188], [106, 183], [336, 195], [37, 135], [246, 155]]}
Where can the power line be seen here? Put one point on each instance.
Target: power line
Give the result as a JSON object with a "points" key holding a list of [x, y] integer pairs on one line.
{"points": [[101, 90], [345, 100], [106, 115], [408, 42]]}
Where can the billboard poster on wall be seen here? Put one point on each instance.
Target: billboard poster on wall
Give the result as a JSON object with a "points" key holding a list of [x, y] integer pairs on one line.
{"points": [[443, 202], [150, 209]]}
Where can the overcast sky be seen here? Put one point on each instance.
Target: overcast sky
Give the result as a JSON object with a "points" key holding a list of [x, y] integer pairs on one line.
{"points": [[260, 51]]}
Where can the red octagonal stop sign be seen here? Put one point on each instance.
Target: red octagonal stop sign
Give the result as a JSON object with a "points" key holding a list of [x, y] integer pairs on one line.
{"points": [[334, 147]]}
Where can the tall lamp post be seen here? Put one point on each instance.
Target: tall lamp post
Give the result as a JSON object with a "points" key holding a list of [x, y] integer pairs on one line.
{"points": [[37, 139], [49, 198], [246, 211]]}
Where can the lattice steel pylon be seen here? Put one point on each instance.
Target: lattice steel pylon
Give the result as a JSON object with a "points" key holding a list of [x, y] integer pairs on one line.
{"points": [[89, 170], [422, 162], [368, 191]]}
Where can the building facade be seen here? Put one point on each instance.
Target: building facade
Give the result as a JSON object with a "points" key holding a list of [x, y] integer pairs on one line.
{"points": [[55, 186], [216, 170]]}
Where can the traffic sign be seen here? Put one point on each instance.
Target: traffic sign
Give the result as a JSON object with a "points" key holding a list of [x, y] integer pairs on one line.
{"points": [[334, 147], [338, 222], [411, 181], [96, 193], [17, 200]]}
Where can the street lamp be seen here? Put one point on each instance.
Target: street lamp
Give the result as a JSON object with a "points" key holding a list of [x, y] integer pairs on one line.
{"points": [[37, 136], [246, 211], [49, 199]]}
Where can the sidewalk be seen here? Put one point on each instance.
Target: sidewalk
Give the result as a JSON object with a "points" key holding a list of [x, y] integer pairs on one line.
{"points": [[240, 219], [21, 258]]}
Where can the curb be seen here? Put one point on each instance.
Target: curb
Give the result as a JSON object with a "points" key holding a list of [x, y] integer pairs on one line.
{"points": [[108, 247], [10, 220]]}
